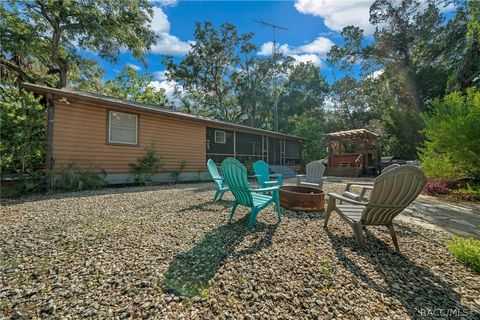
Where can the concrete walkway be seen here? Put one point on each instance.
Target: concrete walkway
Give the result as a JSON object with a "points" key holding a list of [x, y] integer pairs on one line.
{"points": [[459, 218]]}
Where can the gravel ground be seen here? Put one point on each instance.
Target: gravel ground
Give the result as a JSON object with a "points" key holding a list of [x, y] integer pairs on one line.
{"points": [[167, 252]]}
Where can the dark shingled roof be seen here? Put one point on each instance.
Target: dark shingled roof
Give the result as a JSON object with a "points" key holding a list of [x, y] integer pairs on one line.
{"points": [[94, 97]]}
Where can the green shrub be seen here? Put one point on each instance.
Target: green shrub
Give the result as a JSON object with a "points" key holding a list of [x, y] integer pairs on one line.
{"points": [[22, 134], [470, 193], [73, 177], [25, 184], [452, 145], [176, 174], [147, 166], [467, 251]]}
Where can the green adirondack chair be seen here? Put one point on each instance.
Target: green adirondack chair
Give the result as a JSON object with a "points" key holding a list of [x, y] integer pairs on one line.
{"points": [[262, 173], [235, 175], [219, 183]]}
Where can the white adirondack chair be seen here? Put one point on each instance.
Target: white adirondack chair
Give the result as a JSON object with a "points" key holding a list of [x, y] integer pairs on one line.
{"points": [[392, 192], [314, 176], [366, 186]]}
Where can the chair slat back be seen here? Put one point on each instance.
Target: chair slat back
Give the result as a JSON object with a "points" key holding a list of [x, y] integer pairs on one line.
{"points": [[390, 167], [235, 175], [262, 170], [315, 170], [392, 192], [212, 169]]}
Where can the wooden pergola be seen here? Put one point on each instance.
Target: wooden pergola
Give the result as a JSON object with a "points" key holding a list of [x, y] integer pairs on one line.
{"points": [[352, 152]]}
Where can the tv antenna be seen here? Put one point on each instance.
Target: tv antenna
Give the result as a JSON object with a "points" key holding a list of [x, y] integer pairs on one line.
{"points": [[274, 28]]}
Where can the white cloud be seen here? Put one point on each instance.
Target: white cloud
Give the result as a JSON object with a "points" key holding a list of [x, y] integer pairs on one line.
{"points": [[375, 74], [160, 75], [164, 3], [169, 87], [313, 58], [337, 14], [166, 43], [329, 103], [134, 66], [321, 45], [313, 52]]}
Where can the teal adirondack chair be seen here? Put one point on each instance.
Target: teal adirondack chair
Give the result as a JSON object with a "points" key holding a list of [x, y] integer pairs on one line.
{"points": [[262, 173], [219, 183], [235, 175]]}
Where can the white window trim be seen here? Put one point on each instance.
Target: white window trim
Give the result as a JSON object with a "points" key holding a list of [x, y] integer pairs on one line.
{"points": [[224, 136], [120, 127]]}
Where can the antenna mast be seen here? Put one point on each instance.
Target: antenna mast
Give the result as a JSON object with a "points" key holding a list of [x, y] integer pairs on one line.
{"points": [[274, 28]]}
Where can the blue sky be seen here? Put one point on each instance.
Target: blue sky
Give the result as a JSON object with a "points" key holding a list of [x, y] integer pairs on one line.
{"points": [[314, 26], [174, 23]]}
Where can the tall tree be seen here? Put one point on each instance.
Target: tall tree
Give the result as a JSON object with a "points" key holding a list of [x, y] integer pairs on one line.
{"points": [[49, 34], [206, 71], [303, 91], [130, 85], [260, 84]]}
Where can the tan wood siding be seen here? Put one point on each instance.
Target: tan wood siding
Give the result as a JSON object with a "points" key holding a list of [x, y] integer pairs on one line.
{"points": [[80, 130]]}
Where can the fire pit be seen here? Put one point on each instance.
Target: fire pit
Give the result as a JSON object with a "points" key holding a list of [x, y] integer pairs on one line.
{"points": [[302, 198]]}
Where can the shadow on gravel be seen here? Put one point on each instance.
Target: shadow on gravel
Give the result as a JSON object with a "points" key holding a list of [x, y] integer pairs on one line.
{"points": [[208, 206], [190, 272], [423, 294]]}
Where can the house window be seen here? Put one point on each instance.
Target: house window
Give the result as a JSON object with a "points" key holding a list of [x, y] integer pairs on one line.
{"points": [[220, 136], [123, 128]]}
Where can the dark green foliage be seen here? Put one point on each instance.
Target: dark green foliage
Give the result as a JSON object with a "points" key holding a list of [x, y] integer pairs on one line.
{"points": [[420, 58], [402, 133], [40, 39], [23, 132], [147, 166], [452, 145], [74, 177], [131, 86], [467, 251], [311, 126]]}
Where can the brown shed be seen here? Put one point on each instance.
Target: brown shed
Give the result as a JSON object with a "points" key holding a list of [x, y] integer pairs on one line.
{"points": [[105, 134]]}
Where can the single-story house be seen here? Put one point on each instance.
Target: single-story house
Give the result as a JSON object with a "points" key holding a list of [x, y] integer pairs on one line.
{"points": [[105, 134]]}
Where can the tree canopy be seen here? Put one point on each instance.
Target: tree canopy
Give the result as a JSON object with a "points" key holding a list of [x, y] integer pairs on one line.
{"points": [[41, 39]]}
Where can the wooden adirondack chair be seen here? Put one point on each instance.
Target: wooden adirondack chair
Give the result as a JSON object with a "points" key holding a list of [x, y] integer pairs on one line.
{"points": [[366, 186], [314, 176], [392, 192], [235, 174], [262, 173], [219, 183]]}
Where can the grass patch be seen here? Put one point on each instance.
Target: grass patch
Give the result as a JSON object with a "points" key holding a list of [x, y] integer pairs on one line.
{"points": [[466, 250]]}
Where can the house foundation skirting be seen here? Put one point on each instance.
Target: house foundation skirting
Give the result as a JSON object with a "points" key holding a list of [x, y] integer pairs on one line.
{"points": [[120, 178]]}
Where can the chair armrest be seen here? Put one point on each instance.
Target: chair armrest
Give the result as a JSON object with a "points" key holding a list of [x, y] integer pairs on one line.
{"points": [[270, 182], [221, 179], [265, 189], [350, 184], [300, 177], [346, 199], [276, 175]]}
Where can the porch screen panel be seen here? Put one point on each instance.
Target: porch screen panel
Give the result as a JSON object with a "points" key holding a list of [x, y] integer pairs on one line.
{"points": [[292, 152], [249, 146], [274, 150]]}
